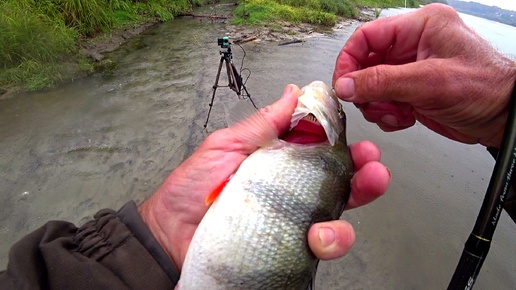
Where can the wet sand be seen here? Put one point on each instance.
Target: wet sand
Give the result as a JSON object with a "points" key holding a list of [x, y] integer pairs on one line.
{"points": [[99, 142]]}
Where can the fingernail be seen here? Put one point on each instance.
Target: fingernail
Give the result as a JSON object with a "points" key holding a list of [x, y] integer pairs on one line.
{"points": [[326, 236], [345, 88], [390, 119], [286, 91]]}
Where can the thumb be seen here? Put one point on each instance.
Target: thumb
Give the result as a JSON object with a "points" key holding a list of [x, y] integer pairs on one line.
{"points": [[280, 112], [331, 240], [412, 83]]}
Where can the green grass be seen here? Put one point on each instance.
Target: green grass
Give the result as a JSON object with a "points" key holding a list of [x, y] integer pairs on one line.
{"points": [[87, 17], [31, 45], [320, 12], [260, 12], [39, 38], [394, 3]]}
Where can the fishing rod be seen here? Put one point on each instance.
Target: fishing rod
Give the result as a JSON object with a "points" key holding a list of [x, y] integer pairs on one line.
{"points": [[478, 244]]}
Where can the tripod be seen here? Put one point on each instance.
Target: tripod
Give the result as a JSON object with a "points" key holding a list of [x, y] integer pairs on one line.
{"points": [[234, 79]]}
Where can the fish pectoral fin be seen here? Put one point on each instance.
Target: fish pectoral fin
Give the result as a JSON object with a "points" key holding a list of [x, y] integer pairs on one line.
{"points": [[212, 196], [250, 126]]}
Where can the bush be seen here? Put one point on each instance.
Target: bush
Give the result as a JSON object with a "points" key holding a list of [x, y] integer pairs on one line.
{"points": [[346, 9], [38, 37], [25, 35], [29, 44], [87, 16], [260, 11]]}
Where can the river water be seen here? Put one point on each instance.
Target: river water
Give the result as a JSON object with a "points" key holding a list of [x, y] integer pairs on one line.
{"points": [[107, 139]]}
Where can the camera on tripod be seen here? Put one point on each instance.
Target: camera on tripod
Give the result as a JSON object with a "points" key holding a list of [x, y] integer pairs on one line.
{"points": [[223, 42], [235, 81]]}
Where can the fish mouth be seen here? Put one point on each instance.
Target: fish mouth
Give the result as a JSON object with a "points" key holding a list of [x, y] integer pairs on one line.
{"points": [[307, 131], [317, 117]]}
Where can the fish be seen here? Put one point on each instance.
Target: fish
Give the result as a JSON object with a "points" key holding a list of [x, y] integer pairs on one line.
{"points": [[254, 235]]}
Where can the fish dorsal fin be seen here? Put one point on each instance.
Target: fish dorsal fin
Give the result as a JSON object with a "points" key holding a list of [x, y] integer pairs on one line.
{"points": [[216, 192], [250, 126]]}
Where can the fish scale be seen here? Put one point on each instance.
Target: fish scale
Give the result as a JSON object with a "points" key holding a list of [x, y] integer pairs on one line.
{"points": [[254, 236], [272, 213]]}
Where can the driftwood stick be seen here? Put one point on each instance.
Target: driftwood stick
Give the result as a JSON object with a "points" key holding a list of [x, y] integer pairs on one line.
{"points": [[247, 39], [291, 42], [204, 15]]}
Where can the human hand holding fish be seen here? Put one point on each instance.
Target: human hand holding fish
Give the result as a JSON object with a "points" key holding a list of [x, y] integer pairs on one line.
{"points": [[174, 212], [430, 66]]}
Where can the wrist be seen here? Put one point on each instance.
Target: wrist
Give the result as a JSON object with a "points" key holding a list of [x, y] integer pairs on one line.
{"points": [[506, 92], [172, 217], [132, 219], [147, 211]]}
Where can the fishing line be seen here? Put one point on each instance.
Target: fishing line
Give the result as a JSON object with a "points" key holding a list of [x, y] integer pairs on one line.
{"points": [[479, 241], [244, 69]]}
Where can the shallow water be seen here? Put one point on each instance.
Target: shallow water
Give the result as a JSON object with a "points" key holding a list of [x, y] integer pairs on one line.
{"points": [[101, 141]]}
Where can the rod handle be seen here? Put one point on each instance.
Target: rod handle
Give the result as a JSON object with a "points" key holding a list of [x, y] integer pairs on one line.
{"points": [[471, 260]]}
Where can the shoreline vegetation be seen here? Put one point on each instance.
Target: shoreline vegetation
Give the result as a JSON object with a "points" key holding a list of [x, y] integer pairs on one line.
{"points": [[47, 42]]}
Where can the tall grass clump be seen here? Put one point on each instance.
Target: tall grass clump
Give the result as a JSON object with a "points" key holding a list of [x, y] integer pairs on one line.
{"points": [[260, 12], [87, 16], [256, 13], [342, 8], [39, 38], [29, 43], [390, 3], [338, 7]]}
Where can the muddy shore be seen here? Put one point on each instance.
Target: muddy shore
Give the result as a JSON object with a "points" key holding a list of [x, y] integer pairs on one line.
{"points": [[96, 47], [281, 32]]}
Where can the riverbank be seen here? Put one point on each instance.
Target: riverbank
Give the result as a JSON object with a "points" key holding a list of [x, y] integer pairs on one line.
{"points": [[286, 32], [100, 142], [43, 44], [280, 31], [95, 49], [55, 59]]}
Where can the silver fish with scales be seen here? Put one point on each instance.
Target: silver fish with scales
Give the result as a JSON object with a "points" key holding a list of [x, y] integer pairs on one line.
{"points": [[254, 236]]}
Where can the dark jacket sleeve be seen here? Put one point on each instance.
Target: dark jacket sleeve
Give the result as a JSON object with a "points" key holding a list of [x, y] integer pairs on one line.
{"points": [[104, 253]]}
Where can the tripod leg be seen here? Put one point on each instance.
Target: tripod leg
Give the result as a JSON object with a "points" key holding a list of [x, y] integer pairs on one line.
{"points": [[237, 78], [238, 85], [233, 81], [215, 86]]}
